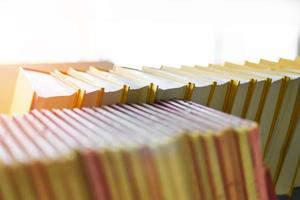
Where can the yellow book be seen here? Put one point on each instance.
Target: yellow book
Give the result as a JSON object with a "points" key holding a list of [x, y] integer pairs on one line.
{"points": [[162, 164], [18, 168], [110, 174], [89, 95], [57, 170], [202, 166], [233, 86], [137, 92], [162, 88], [57, 178], [231, 90], [256, 66], [7, 186], [189, 184], [51, 147], [227, 158], [129, 73], [182, 176], [35, 167], [269, 64], [281, 133], [272, 108], [122, 179], [177, 173], [243, 92], [220, 97], [23, 181], [12, 78], [261, 84], [76, 177], [173, 77], [281, 65], [112, 93], [247, 164], [40, 90], [203, 87], [134, 155], [214, 165], [290, 64]]}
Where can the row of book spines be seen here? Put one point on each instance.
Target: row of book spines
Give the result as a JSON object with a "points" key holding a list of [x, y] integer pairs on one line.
{"points": [[188, 94], [151, 93], [196, 166], [9, 73], [29, 97]]}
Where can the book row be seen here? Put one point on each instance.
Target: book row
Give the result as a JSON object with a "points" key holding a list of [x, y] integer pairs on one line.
{"points": [[167, 150], [266, 92]]}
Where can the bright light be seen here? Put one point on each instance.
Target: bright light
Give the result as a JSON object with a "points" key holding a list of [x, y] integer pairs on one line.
{"points": [[141, 32]]}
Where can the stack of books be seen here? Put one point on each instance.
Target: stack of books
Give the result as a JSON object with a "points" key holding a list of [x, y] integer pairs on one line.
{"points": [[169, 150], [266, 92]]}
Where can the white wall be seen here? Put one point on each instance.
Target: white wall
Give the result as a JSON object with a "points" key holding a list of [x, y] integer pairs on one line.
{"points": [[142, 32]]}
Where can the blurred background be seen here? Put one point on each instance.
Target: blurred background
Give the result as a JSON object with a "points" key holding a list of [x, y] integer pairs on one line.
{"points": [[154, 32]]}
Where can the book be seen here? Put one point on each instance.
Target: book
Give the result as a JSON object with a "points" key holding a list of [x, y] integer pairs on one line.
{"points": [[35, 90], [266, 92], [169, 149], [111, 92]]}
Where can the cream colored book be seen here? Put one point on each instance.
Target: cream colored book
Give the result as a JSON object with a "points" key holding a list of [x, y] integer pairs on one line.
{"points": [[112, 93], [161, 160], [89, 95], [52, 168], [37, 90], [247, 164], [115, 156], [203, 87], [173, 77], [260, 89], [137, 92], [282, 131], [244, 90], [7, 186], [234, 85], [287, 117], [273, 102], [186, 166], [162, 88], [19, 166], [220, 97], [269, 64], [139, 171], [215, 166], [204, 167], [289, 64], [177, 174]]}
